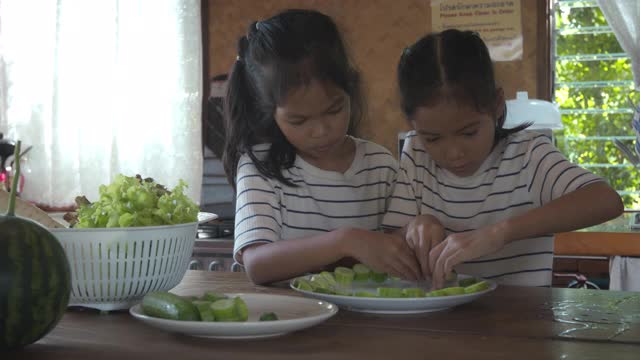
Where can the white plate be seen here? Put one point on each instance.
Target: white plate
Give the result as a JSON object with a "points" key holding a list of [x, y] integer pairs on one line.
{"points": [[395, 305], [294, 313]]}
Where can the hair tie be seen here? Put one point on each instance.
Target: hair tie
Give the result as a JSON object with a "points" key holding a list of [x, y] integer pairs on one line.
{"points": [[257, 25]]}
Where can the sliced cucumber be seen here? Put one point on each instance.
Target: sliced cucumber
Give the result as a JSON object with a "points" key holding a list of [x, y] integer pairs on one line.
{"points": [[225, 310], [213, 296], [477, 287], [378, 277], [450, 291], [361, 272], [204, 308], [320, 284], [270, 316], [454, 290], [303, 284], [241, 308], [387, 292], [364, 294], [467, 282], [331, 281], [413, 292], [344, 276]]}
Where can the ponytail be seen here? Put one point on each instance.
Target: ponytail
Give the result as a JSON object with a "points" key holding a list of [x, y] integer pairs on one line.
{"points": [[246, 124], [239, 108]]}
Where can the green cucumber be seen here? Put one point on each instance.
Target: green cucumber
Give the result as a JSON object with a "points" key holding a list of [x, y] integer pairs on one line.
{"points": [[204, 308], [303, 284], [477, 287], [378, 277], [413, 292], [450, 291], [454, 290], [320, 284], [225, 310], [387, 292], [241, 309], [344, 276], [364, 294], [213, 296], [361, 272], [467, 282], [270, 316], [331, 281], [166, 305]]}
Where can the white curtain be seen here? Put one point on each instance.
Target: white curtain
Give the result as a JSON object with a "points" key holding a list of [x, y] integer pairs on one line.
{"points": [[101, 87], [624, 17]]}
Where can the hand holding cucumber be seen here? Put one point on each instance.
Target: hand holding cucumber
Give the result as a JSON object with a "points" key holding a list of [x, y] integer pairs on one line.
{"points": [[422, 234], [384, 253]]}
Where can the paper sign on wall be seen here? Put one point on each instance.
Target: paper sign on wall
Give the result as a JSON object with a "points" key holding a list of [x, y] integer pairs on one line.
{"points": [[498, 23]]}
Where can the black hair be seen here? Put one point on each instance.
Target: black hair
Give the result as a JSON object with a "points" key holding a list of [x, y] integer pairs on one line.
{"points": [[276, 56], [455, 64]]}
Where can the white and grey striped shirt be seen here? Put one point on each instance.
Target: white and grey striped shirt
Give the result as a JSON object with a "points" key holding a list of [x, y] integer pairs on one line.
{"points": [[267, 210], [523, 172]]}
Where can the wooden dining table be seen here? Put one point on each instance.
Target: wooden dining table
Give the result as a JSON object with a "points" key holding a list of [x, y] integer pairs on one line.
{"points": [[508, 323]]}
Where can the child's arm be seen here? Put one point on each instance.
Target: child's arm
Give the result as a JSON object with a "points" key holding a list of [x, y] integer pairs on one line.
{"points": [[567, 198], [590, 205], [284, 259], [403, 218]]}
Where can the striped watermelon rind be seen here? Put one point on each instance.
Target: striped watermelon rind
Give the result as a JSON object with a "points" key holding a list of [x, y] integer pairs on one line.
{"points": [[35, 282]]}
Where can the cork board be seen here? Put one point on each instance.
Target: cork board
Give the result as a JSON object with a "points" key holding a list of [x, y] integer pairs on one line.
{"points": [[375, 32]]}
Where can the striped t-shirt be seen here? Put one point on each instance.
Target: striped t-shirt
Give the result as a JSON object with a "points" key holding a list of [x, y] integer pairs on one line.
{"points": [[267, 210], [523, 172]]}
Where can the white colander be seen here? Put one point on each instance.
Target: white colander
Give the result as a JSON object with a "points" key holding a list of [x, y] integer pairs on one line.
{"points": [[113, 268]]}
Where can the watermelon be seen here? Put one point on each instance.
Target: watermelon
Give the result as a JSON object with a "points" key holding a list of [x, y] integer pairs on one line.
{"points": [[35, 279]]}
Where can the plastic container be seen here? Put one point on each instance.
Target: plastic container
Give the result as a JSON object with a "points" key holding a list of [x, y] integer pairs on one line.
{"points": [[543, 114], [113, 268]]}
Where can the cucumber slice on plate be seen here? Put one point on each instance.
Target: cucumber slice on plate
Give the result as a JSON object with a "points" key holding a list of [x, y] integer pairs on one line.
{"points": [[225, 310], [241, 308], [270, 316], [361, 272], [413, 292], [378, 277], [467, 282], [387, 292], [344, 276], [204, 308], [477, 287], [212, 296]]}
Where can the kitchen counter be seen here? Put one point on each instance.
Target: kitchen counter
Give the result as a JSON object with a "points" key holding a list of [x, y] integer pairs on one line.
{"points": [[611, 238], [510, 323]]}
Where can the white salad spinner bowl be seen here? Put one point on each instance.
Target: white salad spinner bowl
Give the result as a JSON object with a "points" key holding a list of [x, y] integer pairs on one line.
{"points": [[113, 268]]}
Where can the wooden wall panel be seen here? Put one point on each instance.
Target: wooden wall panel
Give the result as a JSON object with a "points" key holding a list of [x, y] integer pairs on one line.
{"points": [[375, 31]]}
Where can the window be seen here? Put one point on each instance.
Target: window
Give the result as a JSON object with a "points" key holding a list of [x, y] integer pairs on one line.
{"points": [[592, 85]]}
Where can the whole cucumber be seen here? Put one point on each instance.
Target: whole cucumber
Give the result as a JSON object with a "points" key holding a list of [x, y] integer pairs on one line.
{"points": [[166, 305]]}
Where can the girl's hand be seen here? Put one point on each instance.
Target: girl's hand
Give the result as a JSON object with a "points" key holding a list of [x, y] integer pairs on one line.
{"points": [[460, 247], [382, 252], [422, 234]]}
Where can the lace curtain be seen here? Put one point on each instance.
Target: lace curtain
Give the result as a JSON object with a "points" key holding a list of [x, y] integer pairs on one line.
{"points": [[624, 17], [101, 87]]}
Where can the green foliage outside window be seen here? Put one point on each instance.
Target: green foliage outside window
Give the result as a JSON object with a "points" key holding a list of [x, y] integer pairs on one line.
{"points": [[593, 81]]}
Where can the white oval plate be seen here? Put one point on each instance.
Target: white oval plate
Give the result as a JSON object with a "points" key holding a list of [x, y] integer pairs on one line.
{"points": [[294, 313], [395, 305]]}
